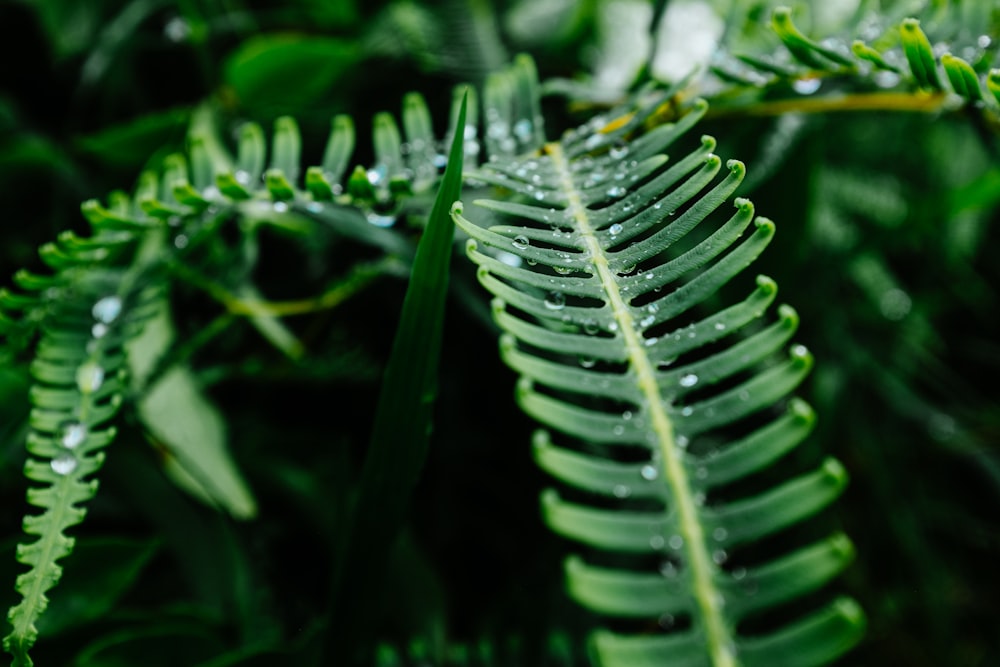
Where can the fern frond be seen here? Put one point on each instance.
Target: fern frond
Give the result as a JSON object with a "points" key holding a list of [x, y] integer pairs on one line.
{"points": [[903, 59], [604, 259], [85, 311]]}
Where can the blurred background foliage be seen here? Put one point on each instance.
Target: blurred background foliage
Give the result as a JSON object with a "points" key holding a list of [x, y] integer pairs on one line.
{"points": [[886, 226]]}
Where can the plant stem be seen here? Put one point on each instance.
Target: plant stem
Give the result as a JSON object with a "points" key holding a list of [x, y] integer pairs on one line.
{"points": [[717, 633], [919, 102]]}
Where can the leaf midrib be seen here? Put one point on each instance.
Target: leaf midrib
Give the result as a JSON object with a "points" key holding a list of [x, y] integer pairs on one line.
{"points": [[708, 597]]}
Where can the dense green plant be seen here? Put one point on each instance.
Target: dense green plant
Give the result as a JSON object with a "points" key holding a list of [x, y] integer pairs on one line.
{"points": [[679, 456]]}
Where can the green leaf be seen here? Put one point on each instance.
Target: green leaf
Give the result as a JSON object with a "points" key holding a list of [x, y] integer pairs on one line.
{"points": [[131, 143], [919, 55], [401, 433], [281, 73], [195, 447]]}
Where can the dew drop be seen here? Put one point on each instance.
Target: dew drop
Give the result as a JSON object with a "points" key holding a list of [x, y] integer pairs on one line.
{"points": [[107, 310], [615, 229], [689, 380], [657, 541], [668, 569], [177, 29], [376, 175], [627, 415], [720, 534], [280, 207], [646, 321], [616, 191], [89, 377], [72, 434], [886, 79], [666, 621], [651, 341], [180, 241], [555, 301], [522, 130], [588, 362], [562, 270], [806, 86], [618, 150], [739, 573], [383, 221], [242, 177], [701, 472], [621, 491], [719, 556], [676, 542], [649, 472], [618, 430], [681, 440], [719, 326], [64, 464], [99, 330], [590, 326], [314, 207]]}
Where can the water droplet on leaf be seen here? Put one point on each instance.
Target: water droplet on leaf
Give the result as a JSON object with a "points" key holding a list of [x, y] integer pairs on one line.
{"points": [[689, 380], [64, 464], [89, 377], [522, 130], [806, 86], [555, 301], [107, 310], [72, 434]]}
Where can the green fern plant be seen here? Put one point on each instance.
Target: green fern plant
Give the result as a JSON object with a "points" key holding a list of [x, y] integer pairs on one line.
{"points": [[92, 310], [86, 310], [600, 258]]}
